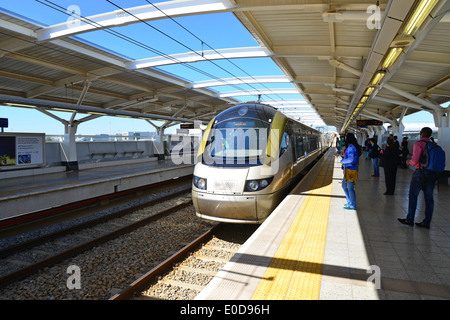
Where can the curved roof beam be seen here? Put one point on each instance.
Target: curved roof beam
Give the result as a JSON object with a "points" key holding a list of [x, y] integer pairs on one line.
{"points": [[174, 9], [257, 92], [231, 53], [246, 52], [241, 80], [118, 18]]}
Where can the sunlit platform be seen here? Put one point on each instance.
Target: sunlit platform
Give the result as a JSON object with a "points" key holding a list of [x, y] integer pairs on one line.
{"points": [[311, 248]]}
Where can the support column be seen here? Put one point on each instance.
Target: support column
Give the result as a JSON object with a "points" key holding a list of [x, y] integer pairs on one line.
{"points": [[379, 132], [159, 140], [360, 138], [69, 148], [397, 129], [442, 121], [159, 143], [370, 131]]}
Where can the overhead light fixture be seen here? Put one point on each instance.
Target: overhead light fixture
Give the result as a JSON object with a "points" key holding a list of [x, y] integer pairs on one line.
{"points": [[19, 105], [63, 110], [418, 17], [363, 99], [393, 54], [369, 91], [98, 113], [123, 116], [402, 40], [378, 77]]}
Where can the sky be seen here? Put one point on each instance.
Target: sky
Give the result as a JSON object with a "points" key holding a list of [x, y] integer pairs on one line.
{"points": [[220, 30]]}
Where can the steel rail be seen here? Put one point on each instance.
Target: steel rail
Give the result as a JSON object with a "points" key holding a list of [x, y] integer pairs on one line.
{"points": [[143, 281], [87, 245], [33, 242]]}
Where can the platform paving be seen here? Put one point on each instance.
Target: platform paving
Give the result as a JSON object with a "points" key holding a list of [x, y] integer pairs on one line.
{"points": [[368, 254], [413, 262]]}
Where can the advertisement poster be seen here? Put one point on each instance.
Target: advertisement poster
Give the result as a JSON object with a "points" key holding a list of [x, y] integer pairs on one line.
{"points": [[21, 150], [7, 151]]}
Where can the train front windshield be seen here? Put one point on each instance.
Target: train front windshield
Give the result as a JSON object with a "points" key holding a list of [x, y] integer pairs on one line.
{"points": [[238, 138]]}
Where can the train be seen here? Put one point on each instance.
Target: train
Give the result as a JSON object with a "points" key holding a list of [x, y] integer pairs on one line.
{"points": [[249, 158]]}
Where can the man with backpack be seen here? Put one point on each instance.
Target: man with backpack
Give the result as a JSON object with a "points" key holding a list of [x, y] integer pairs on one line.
{"points": [[429, 159]]}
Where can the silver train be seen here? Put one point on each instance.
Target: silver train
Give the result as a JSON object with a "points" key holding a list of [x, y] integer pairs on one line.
{"points": [[249, 158]]}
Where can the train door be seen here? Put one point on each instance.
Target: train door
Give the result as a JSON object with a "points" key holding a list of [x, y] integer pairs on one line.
{"points": [[291, 134], [286, 154]]}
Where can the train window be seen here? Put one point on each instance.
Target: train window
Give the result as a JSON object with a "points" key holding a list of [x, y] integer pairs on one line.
{"points": [[313, 143], [299, 151], [284, 143], [237, 141]]}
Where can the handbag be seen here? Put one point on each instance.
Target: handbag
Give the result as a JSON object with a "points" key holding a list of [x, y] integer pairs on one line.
{"points": [[350, 175], [381, 160]]}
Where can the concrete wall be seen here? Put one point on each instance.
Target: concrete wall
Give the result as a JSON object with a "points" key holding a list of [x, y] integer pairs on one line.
{"points": [[100, 151]]}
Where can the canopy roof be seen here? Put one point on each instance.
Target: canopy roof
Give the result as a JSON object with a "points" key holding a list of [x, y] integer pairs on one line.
{"points": [[348, 59]]}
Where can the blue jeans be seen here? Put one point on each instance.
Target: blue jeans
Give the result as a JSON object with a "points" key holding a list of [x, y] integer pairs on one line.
{"points": [[422, 180], [349, 191], [376, 167]]}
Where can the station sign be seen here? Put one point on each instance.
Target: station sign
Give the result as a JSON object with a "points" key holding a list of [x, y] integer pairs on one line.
{"points": [[3, 122], [187, 126], [365, 123], [21, 150]]}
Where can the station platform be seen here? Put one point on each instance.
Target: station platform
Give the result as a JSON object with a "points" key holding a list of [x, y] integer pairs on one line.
{"points": [[24, 195], [311, 248]]}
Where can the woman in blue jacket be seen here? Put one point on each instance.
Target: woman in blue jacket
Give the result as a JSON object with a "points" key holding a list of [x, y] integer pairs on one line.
{"points": [[350, 164]]}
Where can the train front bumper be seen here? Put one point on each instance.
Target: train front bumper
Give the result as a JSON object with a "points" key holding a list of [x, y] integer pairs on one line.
{"points": [[234, 208]]}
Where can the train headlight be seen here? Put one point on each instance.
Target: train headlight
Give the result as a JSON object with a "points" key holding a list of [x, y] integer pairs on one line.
{"points": [[253, 185], [263, 183], [257, 185], [200, 183]]}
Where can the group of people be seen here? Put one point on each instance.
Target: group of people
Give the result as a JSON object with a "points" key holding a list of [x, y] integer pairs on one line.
{"points": [[390, 158], [421, 180]]}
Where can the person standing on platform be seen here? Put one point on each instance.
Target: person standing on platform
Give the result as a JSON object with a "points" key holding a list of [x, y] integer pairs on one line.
{"points": [[396, 143], [397, 146], [367, 147], [341, 144], [390, 156], [405, 152], [422, 179], [350, 164], [374, 155]]}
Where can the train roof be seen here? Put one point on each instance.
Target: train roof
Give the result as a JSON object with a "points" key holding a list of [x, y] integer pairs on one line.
{"points": [[266, 108]]}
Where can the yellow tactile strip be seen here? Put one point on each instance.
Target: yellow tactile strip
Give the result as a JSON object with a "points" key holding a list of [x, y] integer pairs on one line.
{"points": [[296, 269]]}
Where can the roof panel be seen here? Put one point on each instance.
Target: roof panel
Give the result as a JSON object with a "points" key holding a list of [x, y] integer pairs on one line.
{"points": [[294, 28], [321, 46], [7, 83], [354, 34]]}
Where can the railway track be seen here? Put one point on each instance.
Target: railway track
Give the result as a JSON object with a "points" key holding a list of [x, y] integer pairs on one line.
{"points": [[12, 286], [83, 225], [183, 275], [74, 249]]}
